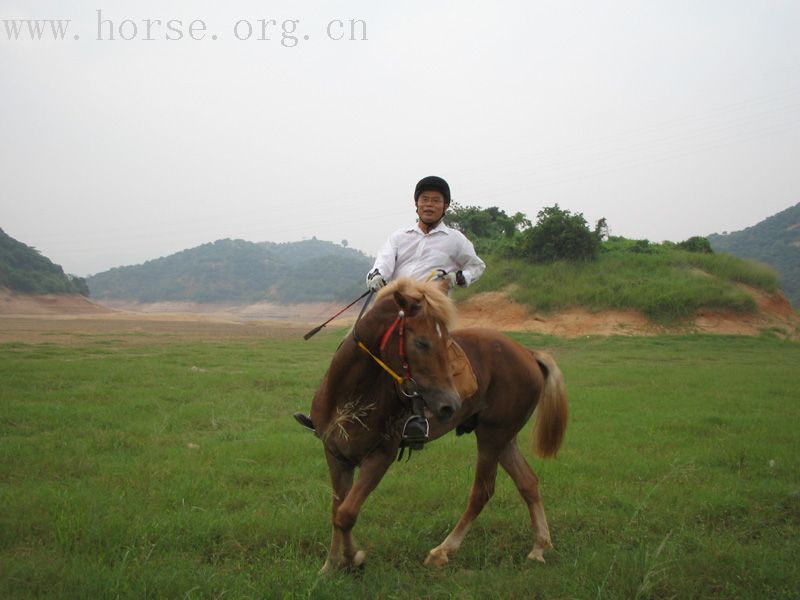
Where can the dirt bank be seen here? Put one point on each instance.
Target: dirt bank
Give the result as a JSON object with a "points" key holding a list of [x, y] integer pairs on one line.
{"points": [[261, 311], [12, 303], [494, 309]]}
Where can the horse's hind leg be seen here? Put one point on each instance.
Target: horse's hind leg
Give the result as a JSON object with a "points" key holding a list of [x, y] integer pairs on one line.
{"points": [[482, 490], [528, 485]]}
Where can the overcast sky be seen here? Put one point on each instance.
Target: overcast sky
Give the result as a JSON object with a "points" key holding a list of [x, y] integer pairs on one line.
{"points": [[670, 118]]}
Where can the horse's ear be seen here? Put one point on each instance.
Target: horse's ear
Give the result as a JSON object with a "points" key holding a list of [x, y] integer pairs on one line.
{"points": [[410, 307]]}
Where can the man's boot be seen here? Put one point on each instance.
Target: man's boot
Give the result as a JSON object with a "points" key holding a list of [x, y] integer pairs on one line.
{"points": [[416, 428], [304, 421]]}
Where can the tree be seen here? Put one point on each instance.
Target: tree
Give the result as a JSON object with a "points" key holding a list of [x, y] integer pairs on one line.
{"points": [[484, 223], [696, 243], [601, 230], [80, 284], [560, 235], [521, 221]]}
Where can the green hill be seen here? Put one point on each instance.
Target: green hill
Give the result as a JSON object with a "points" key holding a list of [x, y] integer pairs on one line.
{"points": [[665, 283], [23, 269], [775, 241], [560, 263], [240, 272]]}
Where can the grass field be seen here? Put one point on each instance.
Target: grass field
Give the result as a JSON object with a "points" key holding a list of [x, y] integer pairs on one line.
{"points": [[141, 465]]}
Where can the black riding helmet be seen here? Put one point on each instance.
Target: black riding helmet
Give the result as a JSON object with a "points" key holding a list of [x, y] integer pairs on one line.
{"points": [[432, 182]]}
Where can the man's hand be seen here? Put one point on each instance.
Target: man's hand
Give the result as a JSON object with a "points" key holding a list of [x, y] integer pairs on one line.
{"points": [[455, 278], [375, 281]]}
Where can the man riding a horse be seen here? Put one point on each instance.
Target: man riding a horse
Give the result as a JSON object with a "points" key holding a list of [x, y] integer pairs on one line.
{"points": [[396, 364]]}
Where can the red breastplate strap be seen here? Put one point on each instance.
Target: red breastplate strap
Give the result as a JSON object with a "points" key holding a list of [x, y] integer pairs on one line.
{"points": [[399, 324]]}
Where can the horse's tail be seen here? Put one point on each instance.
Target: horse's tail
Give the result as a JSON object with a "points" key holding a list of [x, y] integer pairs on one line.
{"points": [[551, 412]]}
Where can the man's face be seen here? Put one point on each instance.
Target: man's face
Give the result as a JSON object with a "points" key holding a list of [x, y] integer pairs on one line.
{"points": [[430, 207]]}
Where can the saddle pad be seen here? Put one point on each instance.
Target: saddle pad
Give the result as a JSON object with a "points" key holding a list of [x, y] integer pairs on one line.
{"points": [[461, 371]]}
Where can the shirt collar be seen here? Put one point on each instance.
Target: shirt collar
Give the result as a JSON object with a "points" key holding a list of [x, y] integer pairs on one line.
{"points": [[441, 227]]}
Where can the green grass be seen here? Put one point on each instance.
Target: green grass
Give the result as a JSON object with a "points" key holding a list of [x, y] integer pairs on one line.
{"points": [[669, 286], [170, 469]]}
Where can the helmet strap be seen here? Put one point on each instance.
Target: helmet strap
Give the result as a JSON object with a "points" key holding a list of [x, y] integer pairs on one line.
{"points": [[430, 226]]}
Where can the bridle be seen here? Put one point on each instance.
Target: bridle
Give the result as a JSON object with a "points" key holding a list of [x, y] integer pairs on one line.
{"points": [[406, 386], [405, 383]]}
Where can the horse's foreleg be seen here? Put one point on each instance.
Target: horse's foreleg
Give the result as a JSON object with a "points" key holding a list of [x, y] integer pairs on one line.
{"points": [[482, 490], [344, 552], [528, 485], [341, 480]]}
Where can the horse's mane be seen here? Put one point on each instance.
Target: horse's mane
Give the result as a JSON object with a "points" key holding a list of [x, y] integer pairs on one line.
{"points": [[437, 304]]}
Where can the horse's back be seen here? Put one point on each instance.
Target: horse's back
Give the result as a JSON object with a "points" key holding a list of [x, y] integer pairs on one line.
{"points": [[489, 346], [509, 378]]}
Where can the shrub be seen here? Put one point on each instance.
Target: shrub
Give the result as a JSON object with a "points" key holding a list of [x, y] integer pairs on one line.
{"points": [[484, 223], [559, 235], [696, 243]]}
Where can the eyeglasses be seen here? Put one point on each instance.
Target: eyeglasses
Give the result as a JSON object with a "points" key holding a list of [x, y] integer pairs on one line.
{"points": [[431, 201]]}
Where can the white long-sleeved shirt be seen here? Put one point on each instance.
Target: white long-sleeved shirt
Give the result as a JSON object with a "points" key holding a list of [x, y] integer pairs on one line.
{"points": [[411, 253]]}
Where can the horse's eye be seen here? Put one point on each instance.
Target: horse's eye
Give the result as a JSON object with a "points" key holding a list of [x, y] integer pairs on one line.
{"points": [[422, 344]]}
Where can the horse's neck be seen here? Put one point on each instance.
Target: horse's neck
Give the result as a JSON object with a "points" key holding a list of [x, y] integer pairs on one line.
{"points": [[373, 325], [353, 371]]}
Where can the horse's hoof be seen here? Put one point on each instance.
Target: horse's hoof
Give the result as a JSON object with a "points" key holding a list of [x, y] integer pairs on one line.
{"points": [[357, 563], [539, 547], [359, 558], [536, 555], [436, 559]]}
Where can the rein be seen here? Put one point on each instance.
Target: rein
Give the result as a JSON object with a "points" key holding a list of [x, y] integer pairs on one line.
{"points": [[406, 384]]}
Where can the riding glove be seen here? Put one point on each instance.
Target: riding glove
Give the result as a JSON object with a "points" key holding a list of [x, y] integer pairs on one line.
{"points": [[455, 278], [375, 281]]}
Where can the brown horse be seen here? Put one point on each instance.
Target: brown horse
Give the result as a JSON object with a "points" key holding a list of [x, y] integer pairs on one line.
{"points": [[360, 408]]}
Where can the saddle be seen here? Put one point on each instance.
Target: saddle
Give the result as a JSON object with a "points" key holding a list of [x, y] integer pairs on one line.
{"points": [[461, 370]]}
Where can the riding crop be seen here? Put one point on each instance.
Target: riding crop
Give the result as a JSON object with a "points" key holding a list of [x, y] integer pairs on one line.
{"points": [[316, 330]]}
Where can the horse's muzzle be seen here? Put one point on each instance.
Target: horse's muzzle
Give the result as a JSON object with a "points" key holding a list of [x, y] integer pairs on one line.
{"points": [[443, 405], [446, 412]]}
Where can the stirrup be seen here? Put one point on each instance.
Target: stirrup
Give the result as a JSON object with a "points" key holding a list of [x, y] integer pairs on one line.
{"points": [[415, 437], [304, 421]]}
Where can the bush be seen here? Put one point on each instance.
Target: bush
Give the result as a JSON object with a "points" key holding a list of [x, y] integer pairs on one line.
{"points": [[616, 244], [559, 235], [484, 223], [696, 243]]}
